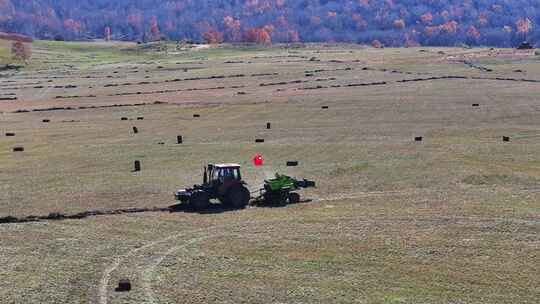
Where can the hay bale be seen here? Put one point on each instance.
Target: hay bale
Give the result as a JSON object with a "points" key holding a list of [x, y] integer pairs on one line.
{"points": [[18, 149], [506, 138], [268, 125], [124, 118], [418, 138], [292, 163], [259, 140], [475, 104], [140, 118], [123, 285], [10, 134], [137, 166], [179, 139], [196, 115], [46, 120], [135, 130], [324, 107]]}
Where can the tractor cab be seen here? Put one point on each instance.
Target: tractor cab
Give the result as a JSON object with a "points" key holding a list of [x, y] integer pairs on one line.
{"points": [[218, 175]]}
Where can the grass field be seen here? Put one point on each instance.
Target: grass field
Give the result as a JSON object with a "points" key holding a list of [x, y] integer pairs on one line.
{"points": [[454, 218]]}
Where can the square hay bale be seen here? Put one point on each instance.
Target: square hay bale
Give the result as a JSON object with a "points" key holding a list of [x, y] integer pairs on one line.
{"points": [[123, 285], [137, 166]]}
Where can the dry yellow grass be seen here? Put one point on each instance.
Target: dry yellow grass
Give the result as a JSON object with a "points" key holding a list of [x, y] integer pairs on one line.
{"points": [[452, 219]]}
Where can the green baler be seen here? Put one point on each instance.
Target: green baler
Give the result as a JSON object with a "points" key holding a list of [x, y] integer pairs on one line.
{"points": [[282, 190]]}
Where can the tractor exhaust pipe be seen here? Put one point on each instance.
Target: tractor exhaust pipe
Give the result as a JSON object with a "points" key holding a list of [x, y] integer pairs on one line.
{"points": [[205, 177]]}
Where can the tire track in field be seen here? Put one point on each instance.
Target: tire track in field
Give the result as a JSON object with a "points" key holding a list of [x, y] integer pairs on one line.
{"points": [[203, 234], [107, 273], [105, 278], [148, 272]]}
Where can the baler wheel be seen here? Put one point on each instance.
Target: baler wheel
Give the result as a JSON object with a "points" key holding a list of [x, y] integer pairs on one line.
{"points": [[294, 198]]}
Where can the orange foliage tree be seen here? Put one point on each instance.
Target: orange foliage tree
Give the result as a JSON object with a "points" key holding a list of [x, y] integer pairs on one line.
{"points": [[259, 36], [399, 24], [449, 27], [154, 29], [472, 32], [21, 51], [523, 25], [213, 37], [426, 18], [135, 22], [72, 26]]}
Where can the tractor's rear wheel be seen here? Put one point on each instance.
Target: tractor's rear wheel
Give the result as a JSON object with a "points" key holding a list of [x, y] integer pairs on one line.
{"points": [[199, 200], [238, 197], [294, 198]]}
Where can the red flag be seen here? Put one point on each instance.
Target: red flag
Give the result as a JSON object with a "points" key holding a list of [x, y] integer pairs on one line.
{"points": [[258, 160]]}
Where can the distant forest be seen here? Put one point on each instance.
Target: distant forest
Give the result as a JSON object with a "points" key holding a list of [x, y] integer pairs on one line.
{"points": [[503, 23]]}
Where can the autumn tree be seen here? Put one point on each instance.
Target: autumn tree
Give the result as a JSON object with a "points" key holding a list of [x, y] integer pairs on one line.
{"points": [[523, 26], [154, 29], [107, 33], [399, 24], [293, 36], [376, 44], [473, 33], [135, 24], [483, 20], [21, 51], [259, 36], [436, 22], [213, 37], [232, 28], [7, 10], [426, 18]]}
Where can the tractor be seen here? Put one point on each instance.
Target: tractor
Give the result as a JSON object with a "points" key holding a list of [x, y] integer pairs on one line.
{"points": [[220, 181]]}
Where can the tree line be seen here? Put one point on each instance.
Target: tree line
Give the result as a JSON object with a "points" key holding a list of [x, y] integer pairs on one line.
{"points": [[501, 23]]}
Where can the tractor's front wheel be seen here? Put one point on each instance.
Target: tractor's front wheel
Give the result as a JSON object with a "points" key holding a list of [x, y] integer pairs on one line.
{"points": [[199, 200], [238, 197]]}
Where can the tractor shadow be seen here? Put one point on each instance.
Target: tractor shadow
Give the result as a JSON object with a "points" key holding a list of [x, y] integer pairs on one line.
{"points": [[218, 208], [212, 209], [55, 216]]}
